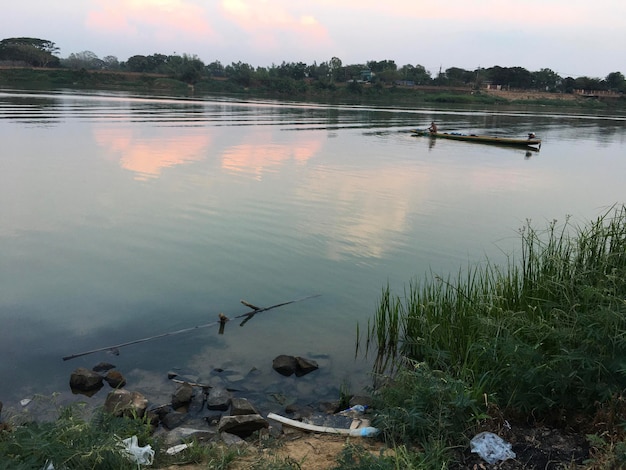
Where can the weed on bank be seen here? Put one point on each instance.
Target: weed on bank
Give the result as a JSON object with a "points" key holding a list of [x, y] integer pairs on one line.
{"points": [[540, 339]]}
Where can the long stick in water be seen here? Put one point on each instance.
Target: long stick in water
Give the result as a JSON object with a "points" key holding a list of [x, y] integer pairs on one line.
{"points": [[248, 316]]}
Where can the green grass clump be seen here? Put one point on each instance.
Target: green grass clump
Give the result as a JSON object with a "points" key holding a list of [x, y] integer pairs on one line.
{"points": [[356, 457], [544, 335], [420, 405], [71, 442], [81, 440], [541, 338]]}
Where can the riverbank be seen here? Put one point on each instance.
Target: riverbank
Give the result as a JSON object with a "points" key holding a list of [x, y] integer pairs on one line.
{"points": [[354, 93]]}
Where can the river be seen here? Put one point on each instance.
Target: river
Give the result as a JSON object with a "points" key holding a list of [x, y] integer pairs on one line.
{"points": [[124, 217]]}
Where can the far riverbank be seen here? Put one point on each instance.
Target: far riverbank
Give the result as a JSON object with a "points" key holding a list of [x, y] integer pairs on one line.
{"points": [[348, 93]]}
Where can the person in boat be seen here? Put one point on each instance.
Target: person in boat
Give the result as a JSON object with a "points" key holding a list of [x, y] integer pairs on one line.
{"points": [[433, 128]]}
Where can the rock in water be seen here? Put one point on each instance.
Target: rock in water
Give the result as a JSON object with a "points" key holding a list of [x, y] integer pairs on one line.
{"points": [[305, 366], [115, 379], [285, 365], [85, 380]]}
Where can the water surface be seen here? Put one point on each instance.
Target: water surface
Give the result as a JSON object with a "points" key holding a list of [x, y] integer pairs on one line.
{"points": [[125, 217]]}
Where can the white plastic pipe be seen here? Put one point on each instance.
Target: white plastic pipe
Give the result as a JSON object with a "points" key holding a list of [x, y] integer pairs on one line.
{"points": [[363, 432]]}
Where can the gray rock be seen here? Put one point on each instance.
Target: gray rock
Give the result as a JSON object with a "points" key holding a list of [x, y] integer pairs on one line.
{"points": [[242, 425], [121, 402], [299, 411], [241, 406], [85, 380], [182, 396], [213, 418], [232, 440], [305, 366], [115, 379], [181, 434], [218, 399], [285, 365], [103, 367], [173, 419]]}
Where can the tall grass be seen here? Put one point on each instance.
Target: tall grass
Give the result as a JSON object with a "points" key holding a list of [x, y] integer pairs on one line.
{"points": [[545, 333]]}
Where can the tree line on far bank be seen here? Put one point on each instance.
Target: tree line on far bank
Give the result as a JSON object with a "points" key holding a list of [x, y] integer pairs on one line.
{"points": [[292, 76]]}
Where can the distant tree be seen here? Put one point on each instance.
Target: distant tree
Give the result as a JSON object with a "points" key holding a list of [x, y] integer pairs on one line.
{"points": [[296, 71], [379, 67], [263, 74], [417, 74], [83, 60], [299, 71], [545, 80], [616, 81], [137, 63], [335, 66], [31, 51], [568, 84], [161, 63], [513, 77], [215, 69], [319, 72], [588, 83], [188, 69], [458, 77], [110, 62], [240, 73]]}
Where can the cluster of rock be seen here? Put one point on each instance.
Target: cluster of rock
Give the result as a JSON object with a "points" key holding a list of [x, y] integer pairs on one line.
{"points": [[196, 410]]}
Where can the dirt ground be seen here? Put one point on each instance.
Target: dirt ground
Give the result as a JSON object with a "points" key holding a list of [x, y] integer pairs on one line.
{"points": [[535, 448], [303, 450], [530, 95], [310, 451]]}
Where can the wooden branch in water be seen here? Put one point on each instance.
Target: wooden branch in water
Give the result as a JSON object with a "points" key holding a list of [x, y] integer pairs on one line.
{"points": [[222, 321]]}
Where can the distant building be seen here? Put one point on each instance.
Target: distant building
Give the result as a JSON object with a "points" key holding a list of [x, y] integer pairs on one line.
{"points": [[367, 75]]}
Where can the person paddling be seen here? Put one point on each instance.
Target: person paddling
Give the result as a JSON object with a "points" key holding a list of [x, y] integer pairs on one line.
{"points": [[433, 128]]}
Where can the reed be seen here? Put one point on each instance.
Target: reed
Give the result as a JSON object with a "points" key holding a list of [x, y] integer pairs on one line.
{"points": [[545, 333]]}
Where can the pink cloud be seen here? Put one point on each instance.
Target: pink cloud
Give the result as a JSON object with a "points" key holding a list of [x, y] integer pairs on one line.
{"points": [[164, 19], [267, 22]]}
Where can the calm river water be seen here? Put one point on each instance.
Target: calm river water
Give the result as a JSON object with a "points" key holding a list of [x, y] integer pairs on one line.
{"points": [[126, 217]]}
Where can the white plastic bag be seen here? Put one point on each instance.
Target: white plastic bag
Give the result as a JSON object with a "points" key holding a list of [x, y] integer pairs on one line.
{"points": [[138, 455], [491, 447]]}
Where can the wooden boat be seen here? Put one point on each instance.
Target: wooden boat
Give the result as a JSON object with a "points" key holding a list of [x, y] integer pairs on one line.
{"points": [[530, 141]]}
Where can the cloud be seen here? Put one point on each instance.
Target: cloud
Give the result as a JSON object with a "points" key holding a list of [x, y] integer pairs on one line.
{"points": [[275, 25], [155, 20]]}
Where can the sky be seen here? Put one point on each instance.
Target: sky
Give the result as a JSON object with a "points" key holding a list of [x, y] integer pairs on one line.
{"points": [[571, 37]]}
